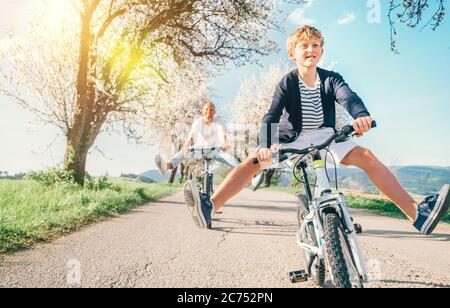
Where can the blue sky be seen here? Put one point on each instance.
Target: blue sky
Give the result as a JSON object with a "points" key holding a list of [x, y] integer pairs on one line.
{"points": [[408, 94]]}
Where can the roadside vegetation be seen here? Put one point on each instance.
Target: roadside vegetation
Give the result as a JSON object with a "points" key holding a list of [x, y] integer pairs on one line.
{"points": [[49, 204]]}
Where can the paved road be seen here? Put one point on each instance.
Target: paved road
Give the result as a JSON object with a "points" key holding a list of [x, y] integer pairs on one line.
{"points": [[252, 245]]}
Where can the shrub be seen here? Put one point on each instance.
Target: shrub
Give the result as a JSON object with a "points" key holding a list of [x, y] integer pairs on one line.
{"points": [[55, 177], [52, 177]]}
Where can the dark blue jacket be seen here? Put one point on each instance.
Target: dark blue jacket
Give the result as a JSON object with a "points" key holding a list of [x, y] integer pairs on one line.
{"points": [[286, 106]]}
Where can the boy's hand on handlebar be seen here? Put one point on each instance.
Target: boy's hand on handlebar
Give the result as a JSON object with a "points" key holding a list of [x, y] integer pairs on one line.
{"points": [[362, 125], [265, 157]]}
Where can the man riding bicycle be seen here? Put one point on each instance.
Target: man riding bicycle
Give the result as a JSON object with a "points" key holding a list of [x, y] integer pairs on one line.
{"points": [[302, 113], [206, 132]]}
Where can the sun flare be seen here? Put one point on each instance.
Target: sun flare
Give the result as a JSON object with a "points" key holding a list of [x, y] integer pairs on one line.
{"points": [[56, 12]]}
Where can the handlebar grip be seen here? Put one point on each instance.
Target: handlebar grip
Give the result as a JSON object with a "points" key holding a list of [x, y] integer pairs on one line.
{"points": [[349, 128]]}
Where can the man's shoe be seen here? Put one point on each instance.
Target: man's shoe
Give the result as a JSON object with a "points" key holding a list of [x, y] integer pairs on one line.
{"points": [[199, 205], [431, 210], [161, 164]]}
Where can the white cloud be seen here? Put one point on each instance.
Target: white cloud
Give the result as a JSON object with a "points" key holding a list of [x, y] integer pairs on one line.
{"points": [[347, 19], [298, 16]]}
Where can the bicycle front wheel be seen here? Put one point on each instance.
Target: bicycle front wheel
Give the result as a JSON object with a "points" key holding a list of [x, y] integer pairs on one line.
{"points": [[338, 253]]}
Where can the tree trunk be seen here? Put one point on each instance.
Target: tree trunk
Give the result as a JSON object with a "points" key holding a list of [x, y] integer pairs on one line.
{"points": [[75, 161], [172, 176], [183, 172]]}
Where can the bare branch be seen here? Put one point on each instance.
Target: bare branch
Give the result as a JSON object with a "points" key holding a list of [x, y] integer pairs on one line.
{"points": [[412, 13]]}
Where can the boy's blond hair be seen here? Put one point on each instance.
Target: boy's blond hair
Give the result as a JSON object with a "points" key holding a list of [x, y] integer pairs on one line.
{"points": [[301, 34]]}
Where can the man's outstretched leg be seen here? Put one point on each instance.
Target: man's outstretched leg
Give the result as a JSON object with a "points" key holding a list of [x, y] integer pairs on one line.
{"points": [[174, 162], [424, 215], [162, 165], [201, 207]]}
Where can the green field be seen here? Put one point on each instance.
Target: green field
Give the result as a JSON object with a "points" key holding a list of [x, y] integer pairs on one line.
{"points": [[31, 212]]}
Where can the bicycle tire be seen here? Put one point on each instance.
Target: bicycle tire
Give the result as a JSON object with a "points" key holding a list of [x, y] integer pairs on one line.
{"points": [[338, 253]]}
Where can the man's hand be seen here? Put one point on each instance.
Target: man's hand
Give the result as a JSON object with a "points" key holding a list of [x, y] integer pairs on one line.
{"points": [[362, 125], [186, 146]]}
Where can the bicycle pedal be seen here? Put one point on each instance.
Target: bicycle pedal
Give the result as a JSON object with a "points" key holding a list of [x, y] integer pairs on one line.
{"points": [[298, 276], [358, 228]]}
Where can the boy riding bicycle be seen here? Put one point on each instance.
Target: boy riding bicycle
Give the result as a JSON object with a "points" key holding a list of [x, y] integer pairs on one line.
{"points": [[303, 113]]}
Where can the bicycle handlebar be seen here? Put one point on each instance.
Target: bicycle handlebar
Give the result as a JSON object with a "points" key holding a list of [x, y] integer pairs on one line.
{"points": [[205, 150], [340, 136]]}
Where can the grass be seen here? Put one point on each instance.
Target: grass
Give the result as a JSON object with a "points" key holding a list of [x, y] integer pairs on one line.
{"points": [[377, 206], [32, 213]]}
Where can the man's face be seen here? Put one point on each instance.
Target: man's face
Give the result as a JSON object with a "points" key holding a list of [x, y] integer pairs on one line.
{"points": [[308, 53], [209, 111]]}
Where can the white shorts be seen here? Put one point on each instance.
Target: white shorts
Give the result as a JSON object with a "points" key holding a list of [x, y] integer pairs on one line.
{"points": [[316, 137]]}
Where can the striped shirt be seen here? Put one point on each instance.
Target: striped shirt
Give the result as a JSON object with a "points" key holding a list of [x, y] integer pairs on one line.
{"points": [[312, 109]]}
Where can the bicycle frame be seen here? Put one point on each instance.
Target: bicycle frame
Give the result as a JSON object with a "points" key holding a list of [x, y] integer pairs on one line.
{"points": [[322, 201], [206, 175]]}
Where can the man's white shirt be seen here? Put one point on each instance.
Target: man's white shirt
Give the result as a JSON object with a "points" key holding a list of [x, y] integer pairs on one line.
{"points": [[208, 135]]}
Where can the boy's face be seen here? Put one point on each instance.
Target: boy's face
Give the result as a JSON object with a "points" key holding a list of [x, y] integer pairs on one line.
{"points": [[308, 53]]}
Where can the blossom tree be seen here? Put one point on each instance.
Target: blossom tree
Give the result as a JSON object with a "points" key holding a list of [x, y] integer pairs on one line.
{"points": [[251, 104]]}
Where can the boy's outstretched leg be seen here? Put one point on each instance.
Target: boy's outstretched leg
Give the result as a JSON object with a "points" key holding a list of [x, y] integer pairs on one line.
{"points": [[201, 207], [424, 215]]}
